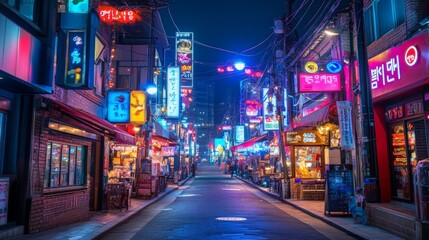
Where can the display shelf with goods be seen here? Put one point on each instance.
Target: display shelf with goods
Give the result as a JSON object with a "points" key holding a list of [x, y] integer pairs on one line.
{"points": [[400, 164], [308, 162]]}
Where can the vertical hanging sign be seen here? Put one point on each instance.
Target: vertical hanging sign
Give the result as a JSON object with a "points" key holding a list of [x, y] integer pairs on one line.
{"points": [[184, 58], [138, 107], [270, 120], [173, 92], [345, 122], [75, 59]]}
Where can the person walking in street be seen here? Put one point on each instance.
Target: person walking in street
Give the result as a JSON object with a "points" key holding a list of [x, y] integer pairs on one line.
{"points": [[193, 168]]}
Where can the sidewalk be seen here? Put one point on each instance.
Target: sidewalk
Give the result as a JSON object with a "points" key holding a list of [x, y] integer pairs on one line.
{"points": [[316, 209], [99, 222]]}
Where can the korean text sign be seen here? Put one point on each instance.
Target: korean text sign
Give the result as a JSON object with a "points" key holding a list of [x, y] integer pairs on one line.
{"points": [[173, 92], [319, 82], [398, 68], [345, 123], [118, 106]]}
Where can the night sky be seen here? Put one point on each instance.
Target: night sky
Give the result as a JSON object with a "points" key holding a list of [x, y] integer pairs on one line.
{"points": [[233, 25]]}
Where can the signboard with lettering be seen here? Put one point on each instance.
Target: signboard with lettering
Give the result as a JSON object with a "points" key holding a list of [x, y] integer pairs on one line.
{"points": [[319, 82], [184, 58], [75, 59], [111, 14], [269, 111], [400, 68], [118, 106], [345, 125], [173, 92], [306, 137], [404, 110], [239, 133]]}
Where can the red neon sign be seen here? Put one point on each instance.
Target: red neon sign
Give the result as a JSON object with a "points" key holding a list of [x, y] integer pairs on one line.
{"points": [[110, 14]]}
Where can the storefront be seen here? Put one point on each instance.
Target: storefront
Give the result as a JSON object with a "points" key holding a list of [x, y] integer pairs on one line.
{"points": [[399, 80], [256, 160], [74, 144], [307, 158]]}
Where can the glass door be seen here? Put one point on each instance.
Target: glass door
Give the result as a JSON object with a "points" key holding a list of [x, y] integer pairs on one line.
{"points": [[400, 168]]}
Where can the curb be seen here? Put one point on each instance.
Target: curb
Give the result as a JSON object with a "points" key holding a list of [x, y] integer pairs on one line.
{"points": [[327, 221], [114, 224]]}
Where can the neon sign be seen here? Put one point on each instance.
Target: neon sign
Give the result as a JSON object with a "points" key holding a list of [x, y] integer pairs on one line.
{"points": [[75, 65], [319, 82], [110, 14], [173, 92], [184, 58]]}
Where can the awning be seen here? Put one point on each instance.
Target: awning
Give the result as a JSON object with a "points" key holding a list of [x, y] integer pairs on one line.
{"points": [[249, 143], [164, 139], [120, 136], [314, 118]]}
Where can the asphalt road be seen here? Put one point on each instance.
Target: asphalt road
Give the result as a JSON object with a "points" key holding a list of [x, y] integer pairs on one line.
{"points": [[215, 206]]}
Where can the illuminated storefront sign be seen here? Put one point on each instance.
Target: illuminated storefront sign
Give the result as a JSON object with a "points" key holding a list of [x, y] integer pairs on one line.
{"points": [[109, 14], [138, 107], [319, 82], [239, 134], [269, 116], [75, 59], [397, 68], [252, 108], [78, 6], [311, 67], [334, 67], [118, 106], [173, 92], [184, 57], [306, 137]]}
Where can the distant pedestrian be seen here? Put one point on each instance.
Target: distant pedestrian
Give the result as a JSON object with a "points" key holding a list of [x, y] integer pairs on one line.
{"points": [[193, 168]]}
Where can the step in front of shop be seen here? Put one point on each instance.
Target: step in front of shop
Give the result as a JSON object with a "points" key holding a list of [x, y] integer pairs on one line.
{"points": [[393, 221], [12, 232]]}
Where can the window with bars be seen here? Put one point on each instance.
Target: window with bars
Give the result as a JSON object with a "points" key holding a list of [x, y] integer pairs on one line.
{"points": [[382, 16], [65, 165]]}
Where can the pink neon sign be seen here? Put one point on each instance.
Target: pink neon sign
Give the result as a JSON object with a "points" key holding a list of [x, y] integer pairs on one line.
{"points": [[319, 82], [400, 68]]}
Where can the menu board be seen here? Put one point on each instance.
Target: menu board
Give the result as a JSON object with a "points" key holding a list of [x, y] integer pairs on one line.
{"points": [[339, 188]]}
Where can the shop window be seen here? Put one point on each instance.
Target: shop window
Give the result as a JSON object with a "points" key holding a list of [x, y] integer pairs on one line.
{"points": [[381, 17], [308, 162], [64, 165]]}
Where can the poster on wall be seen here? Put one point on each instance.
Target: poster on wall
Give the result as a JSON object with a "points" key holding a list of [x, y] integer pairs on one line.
{"points": [[345, 123], [184, 58], [4, 200]]}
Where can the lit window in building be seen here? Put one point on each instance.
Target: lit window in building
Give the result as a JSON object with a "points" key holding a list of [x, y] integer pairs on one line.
{"points": [[65, 165]]}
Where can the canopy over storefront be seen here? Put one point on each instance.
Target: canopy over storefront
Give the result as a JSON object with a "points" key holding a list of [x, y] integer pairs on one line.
{"points": [[249, 143], [120, 136], [320, 116]]}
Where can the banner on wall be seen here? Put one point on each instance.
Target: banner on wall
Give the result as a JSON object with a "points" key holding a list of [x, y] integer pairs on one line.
{"points": [[184, 58], [345, 123]]}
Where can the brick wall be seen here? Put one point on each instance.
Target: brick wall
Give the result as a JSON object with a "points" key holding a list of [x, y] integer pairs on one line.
{"points": [[54, 209], [416, 10]]}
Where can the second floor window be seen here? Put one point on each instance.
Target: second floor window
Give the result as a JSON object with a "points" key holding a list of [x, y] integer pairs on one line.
{"points": [[381, 17]]}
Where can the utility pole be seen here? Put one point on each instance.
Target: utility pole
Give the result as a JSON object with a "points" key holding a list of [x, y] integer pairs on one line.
{"points": [[367, 140], [279, 67]]}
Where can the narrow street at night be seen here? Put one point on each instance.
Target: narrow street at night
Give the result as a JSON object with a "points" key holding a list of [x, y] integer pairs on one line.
{"points": [[216, 206]]}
